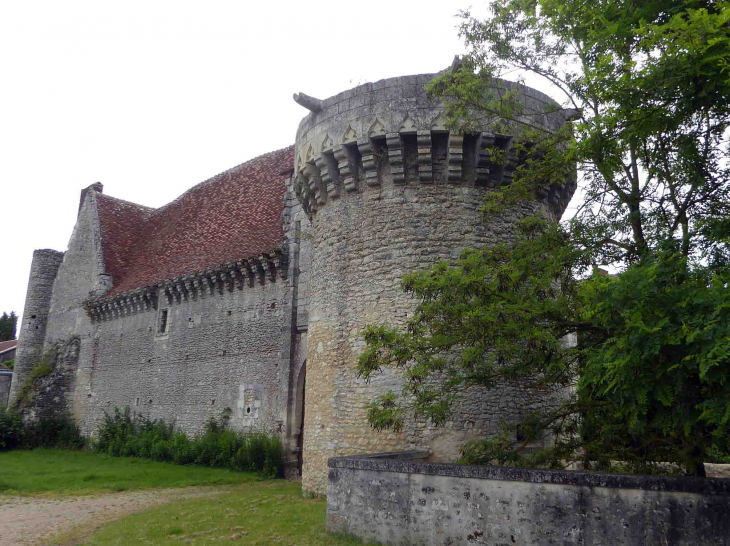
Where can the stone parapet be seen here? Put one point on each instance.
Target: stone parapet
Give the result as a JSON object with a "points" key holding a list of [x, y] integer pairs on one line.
{"points": [[393, 500]]}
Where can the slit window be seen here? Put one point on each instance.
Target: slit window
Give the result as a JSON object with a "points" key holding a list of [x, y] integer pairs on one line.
{"points": [[163, 321]]}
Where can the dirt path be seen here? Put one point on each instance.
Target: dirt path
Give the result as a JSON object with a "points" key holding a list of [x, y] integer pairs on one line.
{"points": [[28, 520]]}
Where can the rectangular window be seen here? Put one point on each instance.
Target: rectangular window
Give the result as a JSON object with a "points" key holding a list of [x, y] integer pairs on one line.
{"points": [[163, 321]]}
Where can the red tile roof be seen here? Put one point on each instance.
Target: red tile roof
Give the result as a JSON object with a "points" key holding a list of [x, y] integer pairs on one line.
{"points": [[5, 345], [234, 215]]}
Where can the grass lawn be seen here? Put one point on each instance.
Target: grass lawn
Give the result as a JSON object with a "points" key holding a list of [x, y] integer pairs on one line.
{"points": [[52, 471], [263, 513]]}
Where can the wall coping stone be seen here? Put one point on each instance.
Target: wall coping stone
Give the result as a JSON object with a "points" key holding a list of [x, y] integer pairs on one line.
{"points": [[399, 462]]}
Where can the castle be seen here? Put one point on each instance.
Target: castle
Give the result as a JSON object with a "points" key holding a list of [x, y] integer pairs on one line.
{"points": [[250, 291]]}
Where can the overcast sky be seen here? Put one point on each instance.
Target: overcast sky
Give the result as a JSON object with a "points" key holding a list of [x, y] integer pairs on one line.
{"points": [[151, 97]]}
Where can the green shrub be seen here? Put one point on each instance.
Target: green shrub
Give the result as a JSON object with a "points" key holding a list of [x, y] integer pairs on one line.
{"points": [[11, 429], [121, 434], [53, 431]]}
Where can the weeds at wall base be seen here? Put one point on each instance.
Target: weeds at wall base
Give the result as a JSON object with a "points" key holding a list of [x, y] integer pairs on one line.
{"points": [[124, 435]]}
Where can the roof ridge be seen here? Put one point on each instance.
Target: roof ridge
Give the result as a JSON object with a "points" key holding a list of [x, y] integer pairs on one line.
{"points": [[107, 196], [217, 177]]}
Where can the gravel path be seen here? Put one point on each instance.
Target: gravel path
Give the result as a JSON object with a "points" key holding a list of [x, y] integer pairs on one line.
{"points": [[28, 520]]}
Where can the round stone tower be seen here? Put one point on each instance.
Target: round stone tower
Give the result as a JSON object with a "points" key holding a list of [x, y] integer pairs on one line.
{"points": [[390, 190], [32, 333]]}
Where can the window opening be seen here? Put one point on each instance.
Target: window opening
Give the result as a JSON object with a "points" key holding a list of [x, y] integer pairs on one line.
{"points": [[163, 321]]}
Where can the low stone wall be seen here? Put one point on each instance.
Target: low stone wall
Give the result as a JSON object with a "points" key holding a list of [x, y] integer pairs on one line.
{"points": [[396, 501]]}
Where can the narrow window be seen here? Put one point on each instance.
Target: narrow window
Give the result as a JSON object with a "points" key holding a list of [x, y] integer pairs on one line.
{"points": [[163, 321], [137, 402]]}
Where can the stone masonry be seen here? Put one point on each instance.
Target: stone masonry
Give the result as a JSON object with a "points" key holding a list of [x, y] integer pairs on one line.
{"points": [[250, 291], [392, 191]]}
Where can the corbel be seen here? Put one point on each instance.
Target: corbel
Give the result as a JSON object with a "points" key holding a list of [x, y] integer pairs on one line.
{"points": [[227, 279], [369, 161], [169, 293], [269, 267], [395, 158], [509, 168], [282, 258], [259, 270], [316, 186], [309, 203], [425, 168], [147, 298], [179, 289], [485, 143], [209, 282], [248, 268], [189, 288], [240, 274], [347, 166], [455, 157], [216, 281], [199, 285], [116, 309], [329, 173]]}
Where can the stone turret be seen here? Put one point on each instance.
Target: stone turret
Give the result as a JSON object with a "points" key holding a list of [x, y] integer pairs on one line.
{"points": [[32, 335], [390, 190]]}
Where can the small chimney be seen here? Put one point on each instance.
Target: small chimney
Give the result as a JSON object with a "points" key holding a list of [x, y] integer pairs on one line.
{"points": [[96, 186]]}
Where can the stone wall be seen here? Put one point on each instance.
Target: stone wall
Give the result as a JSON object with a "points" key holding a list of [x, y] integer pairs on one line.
{"points": [[227, 345], [391, 191], [402, 502], [220, 350], [51, 394]]}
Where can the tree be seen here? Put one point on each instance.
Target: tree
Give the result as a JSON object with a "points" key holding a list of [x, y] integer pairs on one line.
{"points": [[649, 83], [8, 325]]}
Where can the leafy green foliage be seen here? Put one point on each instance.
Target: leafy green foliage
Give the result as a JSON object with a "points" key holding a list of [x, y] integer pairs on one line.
{"points": [[9, 364], [53, 431], [647, 87], [123, 435], [11, 429], [8, 326]]}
